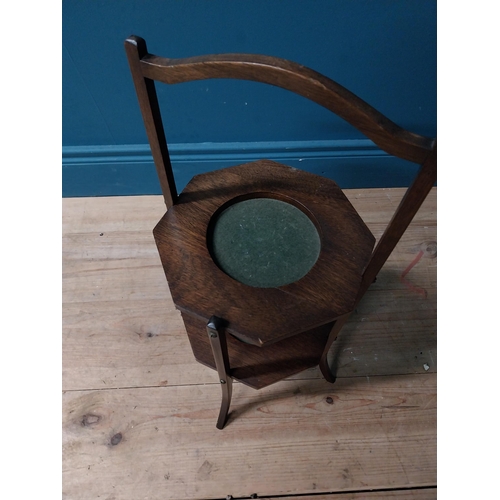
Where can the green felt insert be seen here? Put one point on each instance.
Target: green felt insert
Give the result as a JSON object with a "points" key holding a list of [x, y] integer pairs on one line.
{"points": [[263, 242]]}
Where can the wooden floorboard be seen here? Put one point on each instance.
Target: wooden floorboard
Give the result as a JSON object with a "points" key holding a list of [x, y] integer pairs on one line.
{"points": [[286, 439], [139, 412], [411, 494]]}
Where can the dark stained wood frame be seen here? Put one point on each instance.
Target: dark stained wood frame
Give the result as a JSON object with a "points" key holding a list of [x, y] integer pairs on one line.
{"points": [[217, 336], [148, 101], [288, 75], [199, 287]]}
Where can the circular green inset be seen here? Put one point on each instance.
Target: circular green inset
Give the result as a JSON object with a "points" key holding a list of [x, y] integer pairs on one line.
{"points": [[264, 242]]}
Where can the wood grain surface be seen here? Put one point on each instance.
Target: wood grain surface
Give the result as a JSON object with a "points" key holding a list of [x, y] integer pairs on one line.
{"points": [[139, 411], [290, 76], [261, 316], [292, 437], [411, 494]]}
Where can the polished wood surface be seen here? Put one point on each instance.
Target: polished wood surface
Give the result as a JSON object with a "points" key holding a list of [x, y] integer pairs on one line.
{"points": [[148, 102], [300, 80], [255, 315], [346, 266], [128, 370], [146, 68], [218, 342], [404, 214], [256, 366]]}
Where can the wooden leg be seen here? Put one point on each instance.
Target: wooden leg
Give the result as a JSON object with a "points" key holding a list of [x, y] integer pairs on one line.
{"points": [[330, 374], [217, 337]]}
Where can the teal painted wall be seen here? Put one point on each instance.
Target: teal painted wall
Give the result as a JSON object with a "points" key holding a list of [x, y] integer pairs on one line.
{"points": [[383, 51]]}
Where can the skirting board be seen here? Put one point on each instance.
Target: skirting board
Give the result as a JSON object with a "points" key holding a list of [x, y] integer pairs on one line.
{"points": [[129, 169]]}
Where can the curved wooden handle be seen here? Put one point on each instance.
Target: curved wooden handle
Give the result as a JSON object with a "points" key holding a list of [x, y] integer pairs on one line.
{"points": [[295, 78]]}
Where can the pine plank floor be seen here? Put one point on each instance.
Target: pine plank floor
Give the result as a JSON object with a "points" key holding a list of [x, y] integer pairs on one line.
{"points": [[139, 412]]}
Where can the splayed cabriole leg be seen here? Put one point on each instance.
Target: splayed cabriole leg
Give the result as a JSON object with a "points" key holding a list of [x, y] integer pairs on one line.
{"points": [[217, 337], [329, 373]]}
